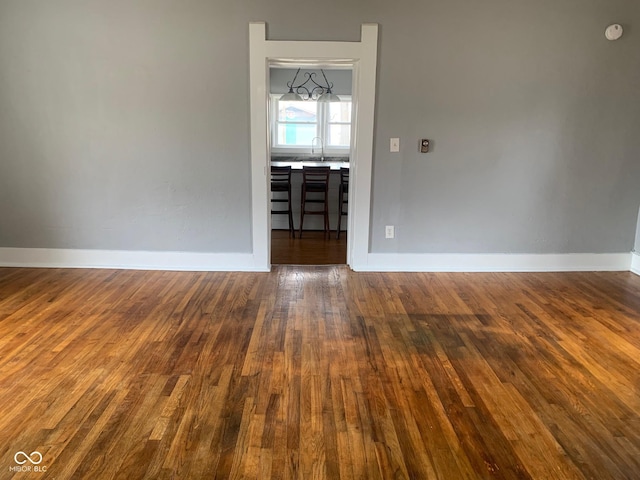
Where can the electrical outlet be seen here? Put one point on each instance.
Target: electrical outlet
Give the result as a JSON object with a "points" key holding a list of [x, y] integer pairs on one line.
{"points": [[389, 231]]}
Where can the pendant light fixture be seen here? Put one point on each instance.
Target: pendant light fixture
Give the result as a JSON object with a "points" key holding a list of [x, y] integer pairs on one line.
{"points": [[312, 91]]}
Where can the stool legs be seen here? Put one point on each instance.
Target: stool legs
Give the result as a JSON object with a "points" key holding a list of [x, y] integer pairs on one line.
{"points": [[281, 183], [315, 181], [342, 190], [292, 230], [324, 212], [340, 212]]}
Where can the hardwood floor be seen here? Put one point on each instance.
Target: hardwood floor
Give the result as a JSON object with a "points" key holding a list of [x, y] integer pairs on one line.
{"points": [[319, 372], [314, 248]]}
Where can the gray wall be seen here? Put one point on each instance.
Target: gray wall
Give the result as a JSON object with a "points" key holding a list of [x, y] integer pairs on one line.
{"points": [[125, 125], [534, 118]]}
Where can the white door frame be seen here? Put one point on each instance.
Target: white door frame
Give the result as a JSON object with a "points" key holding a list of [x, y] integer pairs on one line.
{"points": [[363, 56]]}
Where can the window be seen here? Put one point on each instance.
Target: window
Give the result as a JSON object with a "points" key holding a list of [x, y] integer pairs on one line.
{"points": [[295, 125]]}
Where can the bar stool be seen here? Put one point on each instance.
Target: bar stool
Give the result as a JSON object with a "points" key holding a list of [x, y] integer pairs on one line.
{"points": [[281, 182], [342, 201], [315, 180]]}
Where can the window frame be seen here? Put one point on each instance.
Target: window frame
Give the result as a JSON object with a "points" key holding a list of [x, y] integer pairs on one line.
{"points": [[322, 128]]}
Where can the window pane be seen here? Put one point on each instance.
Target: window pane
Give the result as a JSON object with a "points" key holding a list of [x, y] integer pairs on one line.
{"points": [[339, 135], [292, 134], [340, 112], [297, 111]]}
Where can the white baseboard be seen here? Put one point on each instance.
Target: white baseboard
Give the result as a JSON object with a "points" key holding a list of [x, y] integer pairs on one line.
{"points": [[376, 262], [390, 262], [134, 260], [635, 262]]}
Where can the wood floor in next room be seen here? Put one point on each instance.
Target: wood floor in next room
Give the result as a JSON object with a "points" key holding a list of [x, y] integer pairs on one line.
{"points": [[314, 248], [319, 372]]}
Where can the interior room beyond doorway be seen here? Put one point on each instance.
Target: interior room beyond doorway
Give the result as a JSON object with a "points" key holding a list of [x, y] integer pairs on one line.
{"points": [[310, 127]]}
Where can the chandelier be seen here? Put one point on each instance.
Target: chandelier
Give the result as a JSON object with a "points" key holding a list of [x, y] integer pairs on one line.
{"points": [[310, 89]]}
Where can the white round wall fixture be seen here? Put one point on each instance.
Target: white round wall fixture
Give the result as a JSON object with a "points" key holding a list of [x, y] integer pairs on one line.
{"points": [[613, 32]]}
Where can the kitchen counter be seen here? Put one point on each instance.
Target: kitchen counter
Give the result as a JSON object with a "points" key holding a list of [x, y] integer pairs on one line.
{"points": [[296, 163]]}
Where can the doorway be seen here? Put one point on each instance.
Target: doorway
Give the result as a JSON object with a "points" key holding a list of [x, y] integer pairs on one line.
{"points": [[310, 125], [362, 55]]}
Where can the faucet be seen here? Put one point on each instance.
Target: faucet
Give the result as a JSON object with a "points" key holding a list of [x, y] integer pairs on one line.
{"points": [[321, 147]]}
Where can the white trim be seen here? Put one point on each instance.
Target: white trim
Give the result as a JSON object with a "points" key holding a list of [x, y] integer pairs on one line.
{"points": [[376, 262], [635, 262], [258, 80], [362, 56], [364, 97], [121, 259], [438, 262]]}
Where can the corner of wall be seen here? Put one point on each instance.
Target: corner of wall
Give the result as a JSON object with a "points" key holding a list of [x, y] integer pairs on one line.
{"points": [[635, 262]]}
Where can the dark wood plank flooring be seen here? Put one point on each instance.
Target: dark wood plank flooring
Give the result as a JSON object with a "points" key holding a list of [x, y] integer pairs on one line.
{"points": [[314, 248], [319, 372]]}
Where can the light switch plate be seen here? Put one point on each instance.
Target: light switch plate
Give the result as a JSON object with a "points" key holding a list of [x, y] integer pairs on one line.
{"points": [[394, 145], [389, 231]]}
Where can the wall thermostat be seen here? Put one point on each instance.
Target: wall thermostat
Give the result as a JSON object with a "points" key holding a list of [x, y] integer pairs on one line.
{"points": [[424, 145], [613, 32]]}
